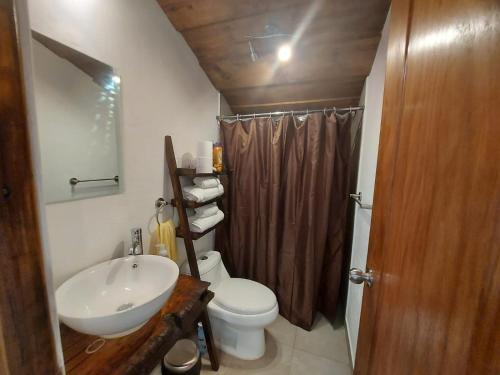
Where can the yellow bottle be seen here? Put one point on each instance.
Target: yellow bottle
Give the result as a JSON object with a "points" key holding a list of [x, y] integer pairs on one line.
{"points": [[217, 157]]}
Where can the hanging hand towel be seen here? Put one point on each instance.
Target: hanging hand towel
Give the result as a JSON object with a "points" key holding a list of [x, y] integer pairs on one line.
{"points": [[206, 182], [164, 234], [201, 224], [206, 211], [197, 194]]}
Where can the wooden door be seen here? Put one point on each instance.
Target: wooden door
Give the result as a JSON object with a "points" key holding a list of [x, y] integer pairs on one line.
{"points": [[434, 243], [27, 342]]}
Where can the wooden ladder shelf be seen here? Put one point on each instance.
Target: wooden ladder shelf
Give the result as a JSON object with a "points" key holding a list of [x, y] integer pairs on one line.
{"points": [[184, 232]]}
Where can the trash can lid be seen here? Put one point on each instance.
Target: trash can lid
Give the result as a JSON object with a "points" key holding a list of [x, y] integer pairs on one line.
{"points": [[182, 357]]}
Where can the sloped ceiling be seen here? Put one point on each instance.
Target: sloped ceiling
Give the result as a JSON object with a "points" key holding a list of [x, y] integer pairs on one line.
{"points": [[336, 44]]}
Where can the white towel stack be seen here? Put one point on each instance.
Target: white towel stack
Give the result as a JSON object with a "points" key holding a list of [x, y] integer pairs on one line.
{"points": [[206, 211], [199, 224], [205, 188], [206, 182]]}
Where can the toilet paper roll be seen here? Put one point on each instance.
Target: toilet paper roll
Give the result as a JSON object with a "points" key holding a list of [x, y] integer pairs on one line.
{"points": [[204, 165], [186, 161], [204, 149]]}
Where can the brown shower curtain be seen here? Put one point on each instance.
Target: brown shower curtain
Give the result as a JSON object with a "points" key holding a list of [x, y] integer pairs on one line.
{"points": [[287, 208]]}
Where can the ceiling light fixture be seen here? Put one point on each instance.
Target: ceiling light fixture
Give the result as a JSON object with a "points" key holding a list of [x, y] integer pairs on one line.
{"points": [[284, 52], [253, 54], [271, 31]]}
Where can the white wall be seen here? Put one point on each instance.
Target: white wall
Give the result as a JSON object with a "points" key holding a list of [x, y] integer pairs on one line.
{"points": [[373, 96], [164, 91], [224, 108], [77, 128]]}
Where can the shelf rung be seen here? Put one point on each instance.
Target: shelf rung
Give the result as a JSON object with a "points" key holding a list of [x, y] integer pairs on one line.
{"points": [[192, 204], [195, 235], [191, 172]]}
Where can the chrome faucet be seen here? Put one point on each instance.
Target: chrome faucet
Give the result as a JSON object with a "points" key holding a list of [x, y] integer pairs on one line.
{"points": [[136, 248]]}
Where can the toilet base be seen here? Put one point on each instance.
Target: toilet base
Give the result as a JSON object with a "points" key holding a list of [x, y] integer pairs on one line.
{"points": [[241, 342]]}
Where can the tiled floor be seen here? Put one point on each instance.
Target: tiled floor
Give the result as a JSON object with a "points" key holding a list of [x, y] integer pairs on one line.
{"points": [[292, 351]]}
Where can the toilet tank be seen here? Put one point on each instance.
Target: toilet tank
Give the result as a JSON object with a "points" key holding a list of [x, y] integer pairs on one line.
{"points": [[211, 268]]}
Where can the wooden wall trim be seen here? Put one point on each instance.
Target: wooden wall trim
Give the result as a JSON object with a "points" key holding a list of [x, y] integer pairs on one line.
{"points": [[26, 335]]}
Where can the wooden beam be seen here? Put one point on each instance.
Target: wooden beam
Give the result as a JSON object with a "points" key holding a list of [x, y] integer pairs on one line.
{"points": [[26, 337], [194, 14], [231, 37], [295, 92], [324, 44], [316, 66], [190, 14]]}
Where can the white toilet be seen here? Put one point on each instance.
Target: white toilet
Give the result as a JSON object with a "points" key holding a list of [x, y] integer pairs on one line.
{"points": [[240, 310]]}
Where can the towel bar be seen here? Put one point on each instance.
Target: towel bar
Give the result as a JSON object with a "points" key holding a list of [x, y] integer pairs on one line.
{"points": [[73, 181], [160, 203]]}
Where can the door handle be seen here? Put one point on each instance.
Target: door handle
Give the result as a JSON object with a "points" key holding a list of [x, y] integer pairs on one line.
{"points": [[358, 277]]}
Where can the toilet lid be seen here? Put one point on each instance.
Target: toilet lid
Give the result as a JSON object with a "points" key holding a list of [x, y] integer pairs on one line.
{"points": [[244, 296]]}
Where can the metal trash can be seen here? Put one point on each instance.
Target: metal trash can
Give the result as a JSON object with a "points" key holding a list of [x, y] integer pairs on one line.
{"points": [[183, 358]]}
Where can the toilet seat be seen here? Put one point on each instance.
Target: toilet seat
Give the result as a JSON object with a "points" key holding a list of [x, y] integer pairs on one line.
{"points": [[240, 320], [245, 297]]}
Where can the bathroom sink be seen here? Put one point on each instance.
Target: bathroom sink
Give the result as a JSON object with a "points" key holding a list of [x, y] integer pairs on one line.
{"points": [[117, 297]]}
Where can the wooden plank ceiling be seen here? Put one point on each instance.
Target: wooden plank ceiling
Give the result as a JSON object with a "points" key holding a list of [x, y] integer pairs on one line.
{"points": [[330, 61]]}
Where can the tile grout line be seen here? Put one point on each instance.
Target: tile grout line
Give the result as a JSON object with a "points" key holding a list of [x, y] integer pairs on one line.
{"points": [[293, 349], [322, 357], [305, 350], [294, 336]]}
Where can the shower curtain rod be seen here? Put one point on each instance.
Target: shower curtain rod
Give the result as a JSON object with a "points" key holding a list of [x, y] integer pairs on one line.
{"points": [[306, 112]]}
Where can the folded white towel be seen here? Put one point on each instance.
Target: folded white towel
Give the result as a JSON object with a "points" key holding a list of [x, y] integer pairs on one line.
{"points": [[206, 182], [197, 194], [201, 224], [206, 211]]}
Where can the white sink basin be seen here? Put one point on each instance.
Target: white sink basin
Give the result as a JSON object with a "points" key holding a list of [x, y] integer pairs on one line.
{"points": [[117, 297]]}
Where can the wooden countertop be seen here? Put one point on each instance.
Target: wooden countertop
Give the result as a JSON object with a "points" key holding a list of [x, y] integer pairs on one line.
{"points": [[141, 351]]}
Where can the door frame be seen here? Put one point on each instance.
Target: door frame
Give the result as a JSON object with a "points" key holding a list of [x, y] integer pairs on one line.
{"points": [[399, 30], [29, 336]]}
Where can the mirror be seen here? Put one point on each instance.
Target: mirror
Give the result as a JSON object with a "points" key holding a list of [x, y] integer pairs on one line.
{"points": [[77, 100]]}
